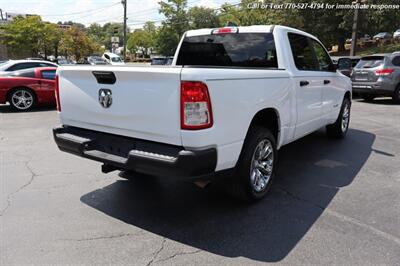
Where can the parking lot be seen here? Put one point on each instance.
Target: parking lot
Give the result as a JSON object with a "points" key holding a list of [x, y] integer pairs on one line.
{"points": [[335, 202]]}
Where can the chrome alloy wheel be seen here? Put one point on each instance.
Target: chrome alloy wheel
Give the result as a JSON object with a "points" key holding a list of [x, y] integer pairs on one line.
{"points": [[262, 164], [345, 117], [22, 99]]}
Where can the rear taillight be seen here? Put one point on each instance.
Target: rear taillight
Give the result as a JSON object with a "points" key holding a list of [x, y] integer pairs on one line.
{"points": [[384, 72], [196, 110], [57, 94]]}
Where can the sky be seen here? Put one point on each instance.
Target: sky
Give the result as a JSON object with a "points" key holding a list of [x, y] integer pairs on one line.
{"points": [[99, 11]]}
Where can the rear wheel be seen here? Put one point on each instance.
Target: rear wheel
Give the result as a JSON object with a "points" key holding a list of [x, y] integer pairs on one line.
{"points": [[22, 99], [256, 166], [396, 95], [340, 127]]}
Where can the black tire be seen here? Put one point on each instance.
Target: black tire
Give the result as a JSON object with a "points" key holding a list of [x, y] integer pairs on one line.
{"points": [[396, 95], [27, 97], [368, 98], [242, 186], [340, 127]]}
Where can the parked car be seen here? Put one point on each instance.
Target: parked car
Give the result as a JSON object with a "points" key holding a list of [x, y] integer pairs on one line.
{"points": [[232, 99], [14, 65], [345, 64], [382, 36], [365, 38], [396, 34], [377, 75], [167, 60], [26, 88], [35, 58], [92, 60], [63, 61], [113, 59]]}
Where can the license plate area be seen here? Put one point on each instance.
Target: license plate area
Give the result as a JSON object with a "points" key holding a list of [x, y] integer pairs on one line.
{"points": [[115, 145]]}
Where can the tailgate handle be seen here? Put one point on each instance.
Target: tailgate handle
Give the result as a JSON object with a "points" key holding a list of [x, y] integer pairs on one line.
{"points": [[105, 77], [304, 83]]}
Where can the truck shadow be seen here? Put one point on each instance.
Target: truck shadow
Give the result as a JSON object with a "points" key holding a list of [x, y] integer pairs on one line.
{"points": [[311, 172]]}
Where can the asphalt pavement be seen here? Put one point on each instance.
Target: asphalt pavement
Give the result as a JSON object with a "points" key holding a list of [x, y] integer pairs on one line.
{"points": [[333, 202]]}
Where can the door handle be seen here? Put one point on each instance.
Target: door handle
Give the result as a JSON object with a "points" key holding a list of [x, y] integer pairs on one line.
{"points": [[304, 83], [326, 81]]}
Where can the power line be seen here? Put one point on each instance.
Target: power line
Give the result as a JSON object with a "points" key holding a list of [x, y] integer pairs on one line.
{"points": [[160, 20], [157, 8], [81, 12]]}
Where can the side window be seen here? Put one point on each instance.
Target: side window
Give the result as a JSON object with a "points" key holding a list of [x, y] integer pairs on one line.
{"points": [[24, 73], [396, 61], [49, 74], [22, 66], [302, 52], [323, 58], [28, 74], [46, 65]]}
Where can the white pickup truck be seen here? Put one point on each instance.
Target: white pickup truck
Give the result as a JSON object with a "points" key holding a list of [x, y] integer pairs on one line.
{"points": [[232, 97]]}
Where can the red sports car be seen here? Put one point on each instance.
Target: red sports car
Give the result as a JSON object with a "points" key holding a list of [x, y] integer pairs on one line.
{"points": [[27, 88]]}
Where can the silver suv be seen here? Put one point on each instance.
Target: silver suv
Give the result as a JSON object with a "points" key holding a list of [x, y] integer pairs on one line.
{"points": [[377, 75]]}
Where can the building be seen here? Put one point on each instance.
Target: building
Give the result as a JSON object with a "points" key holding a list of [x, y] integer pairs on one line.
{"points": [[7, 17], [64, 26]]}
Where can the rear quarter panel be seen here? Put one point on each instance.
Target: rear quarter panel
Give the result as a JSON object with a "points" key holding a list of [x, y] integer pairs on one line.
{"points": [[9, 83], [236, 96]]}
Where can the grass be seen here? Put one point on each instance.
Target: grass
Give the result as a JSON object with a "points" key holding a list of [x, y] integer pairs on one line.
{"points": [[387, 48]]}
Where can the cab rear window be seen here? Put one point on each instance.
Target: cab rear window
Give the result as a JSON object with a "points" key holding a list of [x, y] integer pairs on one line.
{"points": [[370, 62], [250, 50]]}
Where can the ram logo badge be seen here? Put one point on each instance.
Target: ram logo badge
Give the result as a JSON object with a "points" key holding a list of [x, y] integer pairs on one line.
{"points": [[105, 97]]}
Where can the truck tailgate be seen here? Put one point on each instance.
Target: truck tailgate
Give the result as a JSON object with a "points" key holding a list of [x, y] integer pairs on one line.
{"points": [[145, 101]]}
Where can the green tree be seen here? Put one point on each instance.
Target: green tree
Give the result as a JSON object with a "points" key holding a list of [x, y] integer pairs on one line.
{"points": [[75, 42], [51, 39], [230, 13], [96, 33], [24, 34], [175, 24], [113, 29], [202, 17], [143, 40], [139, 40]]}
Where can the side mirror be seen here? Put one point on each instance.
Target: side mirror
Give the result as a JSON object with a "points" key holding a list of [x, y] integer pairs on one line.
{"points": [[333, 67]]}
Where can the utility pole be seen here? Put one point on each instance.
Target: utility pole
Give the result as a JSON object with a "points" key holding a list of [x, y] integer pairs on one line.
{"points": [[353, 47], [125, 19]]}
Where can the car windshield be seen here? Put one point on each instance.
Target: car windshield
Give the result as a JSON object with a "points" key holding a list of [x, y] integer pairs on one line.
{"points": [[96, 59], [370, 62], [158, 61], [116, 59]]}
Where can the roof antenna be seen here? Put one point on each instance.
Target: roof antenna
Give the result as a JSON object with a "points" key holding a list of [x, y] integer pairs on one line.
{"points": [[230, 24]]}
